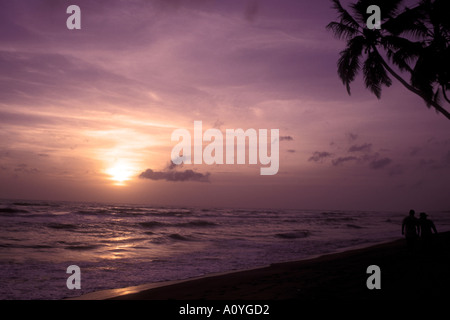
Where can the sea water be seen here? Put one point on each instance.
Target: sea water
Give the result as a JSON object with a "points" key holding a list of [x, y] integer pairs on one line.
{"points": [[119, 245]]}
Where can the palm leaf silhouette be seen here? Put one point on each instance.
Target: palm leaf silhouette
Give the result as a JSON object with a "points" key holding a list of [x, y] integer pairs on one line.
{"points": [[415, 40]]}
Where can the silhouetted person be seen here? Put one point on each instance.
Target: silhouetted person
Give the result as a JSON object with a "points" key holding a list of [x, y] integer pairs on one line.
{"points": [[410, 228], [427, 228]]}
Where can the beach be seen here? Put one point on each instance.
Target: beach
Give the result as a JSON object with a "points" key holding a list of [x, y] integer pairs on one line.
{"points": [[422, 274]]}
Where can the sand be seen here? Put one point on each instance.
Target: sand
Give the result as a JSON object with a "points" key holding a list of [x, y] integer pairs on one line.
{"points": [[404, 274]]}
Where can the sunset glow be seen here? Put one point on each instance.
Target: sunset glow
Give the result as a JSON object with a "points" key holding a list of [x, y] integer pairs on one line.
{"points": [[120, 174], [85, 109]]}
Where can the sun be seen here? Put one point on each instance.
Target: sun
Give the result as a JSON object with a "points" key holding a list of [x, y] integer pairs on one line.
{"points": [[120, 173]]}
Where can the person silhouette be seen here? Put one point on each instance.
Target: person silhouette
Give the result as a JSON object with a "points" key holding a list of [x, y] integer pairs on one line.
{"points": [[427, 228], [410, 229]]}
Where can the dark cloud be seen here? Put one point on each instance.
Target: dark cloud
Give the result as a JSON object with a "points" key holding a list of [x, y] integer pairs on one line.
{"points": [[218, 123], [286, 138], [319, 156], [352, 136], [172, 166], [380, 163], [291, 150], [359, 154], [187, 175], [366, 147], [341, 160]]}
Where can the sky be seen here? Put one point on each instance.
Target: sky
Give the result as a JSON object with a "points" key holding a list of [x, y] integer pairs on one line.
{"points": [[88, 114]]}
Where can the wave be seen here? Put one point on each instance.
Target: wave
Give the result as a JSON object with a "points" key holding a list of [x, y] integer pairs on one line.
{"points": [[24, 246], [12, 210], [35, 204], [153, 224], [293, 235], [190, 224], [338, 219], [331, 213], [94, 212], [354, 226], [82, 247], [118, 250], [179, 237], [130, 211], [197, 223], [65, 226], [172, 213], [125, 240]]}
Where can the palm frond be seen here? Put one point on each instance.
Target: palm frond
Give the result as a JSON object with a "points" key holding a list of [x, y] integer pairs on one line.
{"points": [[342, 31], [425, 72], [349, 61], [401, 51], [407, 22], [375, 75], [441, 11], [344, 15]]}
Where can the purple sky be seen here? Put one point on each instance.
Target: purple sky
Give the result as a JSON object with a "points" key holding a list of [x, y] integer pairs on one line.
{"points": [[84, 112]]}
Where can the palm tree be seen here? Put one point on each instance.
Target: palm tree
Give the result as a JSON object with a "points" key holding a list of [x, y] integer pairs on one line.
{"points": [[401, 51], [432, 70]]}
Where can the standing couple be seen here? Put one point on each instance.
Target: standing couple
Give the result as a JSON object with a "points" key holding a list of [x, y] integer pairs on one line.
{"points": [[412, 228]]}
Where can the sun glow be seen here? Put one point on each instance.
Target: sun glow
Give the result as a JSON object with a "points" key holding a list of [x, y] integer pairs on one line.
{"points": [[120, 173]]}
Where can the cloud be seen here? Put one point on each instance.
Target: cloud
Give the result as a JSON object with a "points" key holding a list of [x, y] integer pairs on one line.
{"points": [[366, 147], [286, 138], [291, 150], [187, 175], [352, 136], [38, 74], [341, 160], [23, 168], [319, 156], [380, 163]]}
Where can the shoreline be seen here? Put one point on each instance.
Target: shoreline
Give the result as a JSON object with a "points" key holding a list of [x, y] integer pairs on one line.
{"points": [[337, 275]]}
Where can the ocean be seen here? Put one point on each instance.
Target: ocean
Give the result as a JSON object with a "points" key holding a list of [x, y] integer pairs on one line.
{"points": [[120, 245]]}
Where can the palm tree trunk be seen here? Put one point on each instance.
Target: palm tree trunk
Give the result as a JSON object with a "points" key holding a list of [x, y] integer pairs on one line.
{"points": [[438, 107]]}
